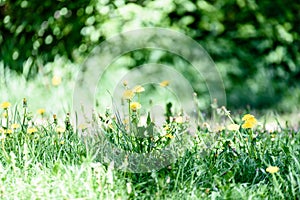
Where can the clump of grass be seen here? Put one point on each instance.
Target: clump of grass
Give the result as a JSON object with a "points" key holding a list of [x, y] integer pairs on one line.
{"points": [[36, 138], [124, 136], [229, 157]]}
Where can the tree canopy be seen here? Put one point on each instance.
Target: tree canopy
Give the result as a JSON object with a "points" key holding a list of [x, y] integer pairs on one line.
{"points": [[255, 44]]}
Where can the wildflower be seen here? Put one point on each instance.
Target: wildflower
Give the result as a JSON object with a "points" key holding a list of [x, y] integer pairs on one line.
{"points": [[271, 127], [5, 115], [272, 169], [233, 127], [8, 131], [129, 188], [206, 125], [60, 129], [2, 137], [164, 83], [128, 94], [166, 128], [15, 126], [67, 122], [24, 103], [168, 179], [41, 111], [54, 119], [138, 89], [135, 106], [179, 120], [225, 111], [5, 105], [249, 121], [273, 137], [219, 128], [125, 83], [56, 80], [62, 142], [31, 130], [247, 117], [169, 136], [82, 126], [207, 190]]}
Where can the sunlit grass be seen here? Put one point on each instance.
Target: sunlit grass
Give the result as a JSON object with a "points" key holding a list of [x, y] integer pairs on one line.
{"points": [[44, 155], [47, 160]]}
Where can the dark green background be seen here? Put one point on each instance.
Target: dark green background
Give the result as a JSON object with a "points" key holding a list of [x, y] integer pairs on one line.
{"points": [[255, 44]]}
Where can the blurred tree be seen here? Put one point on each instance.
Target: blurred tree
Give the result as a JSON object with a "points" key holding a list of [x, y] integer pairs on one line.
{"points": [[255, 44], [35, 29]]}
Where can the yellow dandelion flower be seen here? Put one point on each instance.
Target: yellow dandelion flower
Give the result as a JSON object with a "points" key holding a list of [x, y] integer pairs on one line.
{"points": [[169, 136], [138, 89], [82, 126], [247, 117], [31, 130], [125, 83], [179, 120], [206, 125], [15, 126], [60, 130], [164, 83], [249, 123], [166, 127], [56, 80], [8, 131], [233, 127], [41, 111], [128, 94], [272, 169], [135, 106], [5, 105], [62, 142]]}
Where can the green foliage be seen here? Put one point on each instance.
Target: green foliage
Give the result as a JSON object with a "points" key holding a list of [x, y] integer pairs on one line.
{"points": [[255, 44], [38, 31]]}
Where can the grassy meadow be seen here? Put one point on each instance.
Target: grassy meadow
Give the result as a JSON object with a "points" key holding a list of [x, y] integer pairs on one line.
{"points": [[46, 155]]}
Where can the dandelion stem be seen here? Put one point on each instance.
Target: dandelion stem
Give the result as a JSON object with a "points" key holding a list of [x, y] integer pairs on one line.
{"points": [[4, 151], [7, 120], [24, 118], [129, 119]]}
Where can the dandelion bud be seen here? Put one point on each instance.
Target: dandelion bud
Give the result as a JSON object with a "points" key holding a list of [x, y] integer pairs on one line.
{"points": [[54, 119], [67, 121], [24, 103]]}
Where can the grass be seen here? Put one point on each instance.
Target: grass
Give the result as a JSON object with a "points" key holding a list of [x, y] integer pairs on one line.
{"points": [[50, 157], [53, 163]]}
